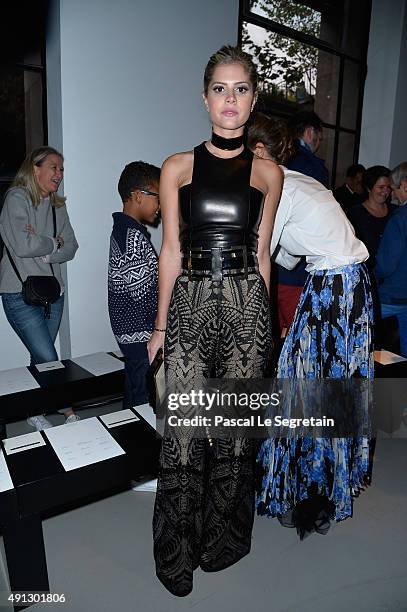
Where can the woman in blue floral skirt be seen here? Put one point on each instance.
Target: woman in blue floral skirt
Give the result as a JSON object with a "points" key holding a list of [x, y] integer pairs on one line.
{"points": [[307, 481]]}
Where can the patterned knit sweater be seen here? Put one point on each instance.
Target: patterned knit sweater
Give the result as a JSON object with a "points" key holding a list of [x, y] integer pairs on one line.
{"points": [[132, 284]]}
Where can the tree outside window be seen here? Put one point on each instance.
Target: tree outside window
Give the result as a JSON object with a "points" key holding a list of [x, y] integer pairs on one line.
{"points": [[287, 68]]}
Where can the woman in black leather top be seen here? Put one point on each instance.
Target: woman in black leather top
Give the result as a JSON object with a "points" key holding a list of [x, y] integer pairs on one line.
{"points": [[218, 206]]}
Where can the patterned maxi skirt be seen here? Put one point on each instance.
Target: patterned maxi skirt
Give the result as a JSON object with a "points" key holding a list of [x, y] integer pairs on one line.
{"points": [[307, 481], [204, 507]]}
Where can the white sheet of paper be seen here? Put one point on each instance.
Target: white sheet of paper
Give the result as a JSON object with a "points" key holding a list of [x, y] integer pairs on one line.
{"points": [[82, 443], [51, 365], [147, 413], [387, 358], [5, 479], [19, 379], [99, 363], [147, 485], [121, 417], [28, 441]]}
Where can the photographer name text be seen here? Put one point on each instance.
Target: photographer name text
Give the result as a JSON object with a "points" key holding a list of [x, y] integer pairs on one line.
{"points": [[254, 420]]}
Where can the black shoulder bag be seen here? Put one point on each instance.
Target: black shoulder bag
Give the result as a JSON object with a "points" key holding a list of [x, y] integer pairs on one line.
{"points": [[39, 290]]}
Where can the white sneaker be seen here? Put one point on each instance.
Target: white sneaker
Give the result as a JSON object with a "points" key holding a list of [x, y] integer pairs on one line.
{"points": [[72, 419], [39, 422]]}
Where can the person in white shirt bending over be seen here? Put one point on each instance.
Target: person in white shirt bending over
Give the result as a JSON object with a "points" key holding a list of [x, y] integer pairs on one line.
{"points": [[308, 481]]}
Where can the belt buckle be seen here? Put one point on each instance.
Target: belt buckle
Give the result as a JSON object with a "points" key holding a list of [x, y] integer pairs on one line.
{"points": [[216, 264], [242, 275], [191, 276], [190, 265]]}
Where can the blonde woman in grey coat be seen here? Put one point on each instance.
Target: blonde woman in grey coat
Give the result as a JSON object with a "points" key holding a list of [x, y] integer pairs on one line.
{"points": [[33, 249]]}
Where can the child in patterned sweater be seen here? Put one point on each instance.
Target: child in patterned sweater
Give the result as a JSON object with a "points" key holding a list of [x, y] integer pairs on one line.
{"points": [[133, 273]]}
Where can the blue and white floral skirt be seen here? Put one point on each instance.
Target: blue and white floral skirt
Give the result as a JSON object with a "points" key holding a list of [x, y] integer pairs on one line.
{"points": [[307, 481]]}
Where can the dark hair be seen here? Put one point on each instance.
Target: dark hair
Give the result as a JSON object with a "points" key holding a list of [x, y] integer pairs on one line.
{"points": [[300, 121], [137, 175], [273, 134], [230, 55], [355, 169], [372, 175]]}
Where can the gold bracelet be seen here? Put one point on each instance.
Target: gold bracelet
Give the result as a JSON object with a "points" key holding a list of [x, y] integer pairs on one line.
{"points": [[160, 330]]}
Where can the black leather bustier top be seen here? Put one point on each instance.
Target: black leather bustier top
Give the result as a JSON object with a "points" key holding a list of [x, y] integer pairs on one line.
{"points": [[219, 208]]}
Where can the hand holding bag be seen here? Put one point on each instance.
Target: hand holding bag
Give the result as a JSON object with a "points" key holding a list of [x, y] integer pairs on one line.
{"points": [[155, 379]]}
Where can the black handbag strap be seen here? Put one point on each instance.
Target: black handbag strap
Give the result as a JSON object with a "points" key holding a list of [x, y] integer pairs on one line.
{"points": [[13, 265], [54, 222]]}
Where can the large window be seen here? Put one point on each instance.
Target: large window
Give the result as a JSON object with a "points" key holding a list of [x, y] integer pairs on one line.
{"points": [[22, 86], [311, 55]]}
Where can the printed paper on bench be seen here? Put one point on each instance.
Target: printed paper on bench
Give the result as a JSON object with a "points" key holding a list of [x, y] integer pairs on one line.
{"points": [[99, 363], [83, 443]]}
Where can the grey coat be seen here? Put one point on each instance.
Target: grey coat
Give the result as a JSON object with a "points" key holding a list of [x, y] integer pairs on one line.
{"points": [[32, 252]]}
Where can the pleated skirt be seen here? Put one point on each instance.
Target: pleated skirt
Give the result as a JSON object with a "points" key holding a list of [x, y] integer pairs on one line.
{"points": [[307, 481]]}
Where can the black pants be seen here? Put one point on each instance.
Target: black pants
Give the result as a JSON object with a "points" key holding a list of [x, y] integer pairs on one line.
{"points": [[204, 506], [135, 384]]}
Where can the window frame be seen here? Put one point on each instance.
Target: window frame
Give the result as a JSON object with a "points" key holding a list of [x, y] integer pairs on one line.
{"points": [[40, 68], [245, 15]]}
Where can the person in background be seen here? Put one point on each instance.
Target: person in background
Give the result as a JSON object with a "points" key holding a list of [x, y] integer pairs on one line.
{"points": [[307, 130], [391, 258], [307, 481], [370, 218], [133, 273], [352, 191], [27, 229]]}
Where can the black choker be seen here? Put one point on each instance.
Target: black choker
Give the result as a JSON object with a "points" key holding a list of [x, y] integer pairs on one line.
{"points": [[226, 144]]}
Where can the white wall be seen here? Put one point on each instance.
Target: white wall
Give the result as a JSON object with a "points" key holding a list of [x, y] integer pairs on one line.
{"points": [[124, 83], [131, 77], [55, 139], [385, 77], [398, 151]]}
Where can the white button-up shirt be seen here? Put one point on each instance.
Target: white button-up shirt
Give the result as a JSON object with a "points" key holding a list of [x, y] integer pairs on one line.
{"points": [[310, 222]]}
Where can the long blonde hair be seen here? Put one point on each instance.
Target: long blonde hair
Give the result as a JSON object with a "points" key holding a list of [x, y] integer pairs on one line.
{"points": [[26, 178]]}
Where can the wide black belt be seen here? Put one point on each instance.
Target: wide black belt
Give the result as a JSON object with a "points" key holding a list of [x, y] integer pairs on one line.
{"points": [[218, 262]]}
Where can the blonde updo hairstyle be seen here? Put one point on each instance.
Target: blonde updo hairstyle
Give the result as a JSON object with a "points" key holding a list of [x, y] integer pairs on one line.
{"points": [[230, 55]]}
